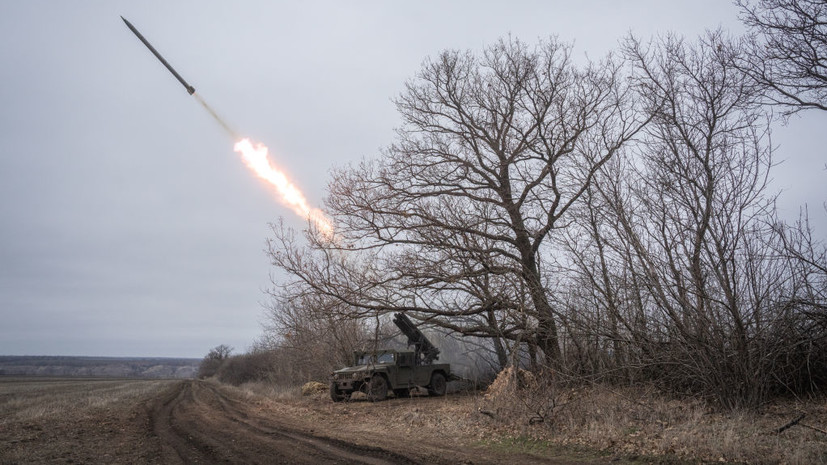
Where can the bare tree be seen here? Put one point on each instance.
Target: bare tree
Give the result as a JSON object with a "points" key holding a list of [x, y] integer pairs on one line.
{"points": [[806, 300], [313, 337], [454, 222], [213, 360], [597, 284], [788, 52], [693, 209]]}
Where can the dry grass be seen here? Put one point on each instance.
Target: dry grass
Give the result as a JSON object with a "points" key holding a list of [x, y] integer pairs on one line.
{"points": [[593, 424], [270, 390], [638, 421], [36, 399], [314, 387]]}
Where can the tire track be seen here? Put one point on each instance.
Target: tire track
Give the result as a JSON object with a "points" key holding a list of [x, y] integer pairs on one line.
{"points": [[358, 453], [175, 444], [195, 422]]}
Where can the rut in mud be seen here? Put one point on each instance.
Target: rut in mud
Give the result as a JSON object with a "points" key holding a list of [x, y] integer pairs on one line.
{"points": [[197, 422]]}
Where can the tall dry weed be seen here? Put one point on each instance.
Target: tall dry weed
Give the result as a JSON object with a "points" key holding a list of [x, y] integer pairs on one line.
{"points": [[642, 421], [271, 390]]}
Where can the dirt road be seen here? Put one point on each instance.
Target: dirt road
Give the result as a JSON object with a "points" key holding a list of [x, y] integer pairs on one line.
{"points": [[196, 422], [139, 421]]}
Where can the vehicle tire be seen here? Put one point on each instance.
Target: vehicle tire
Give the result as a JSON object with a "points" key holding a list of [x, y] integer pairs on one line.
{"points": [[438, 385], [402, 393], [335, 394], [377, 388]]}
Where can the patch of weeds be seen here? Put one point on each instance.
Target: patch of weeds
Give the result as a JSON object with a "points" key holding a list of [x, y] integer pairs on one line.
{"points": [[523, 444], [572, 453]]}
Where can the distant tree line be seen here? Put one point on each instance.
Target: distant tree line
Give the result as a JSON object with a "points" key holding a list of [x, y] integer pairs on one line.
{"points": [[604, 220], [116, 367]]}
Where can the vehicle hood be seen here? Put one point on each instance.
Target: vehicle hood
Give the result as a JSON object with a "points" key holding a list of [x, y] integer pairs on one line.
{"points": [[356, 369]]}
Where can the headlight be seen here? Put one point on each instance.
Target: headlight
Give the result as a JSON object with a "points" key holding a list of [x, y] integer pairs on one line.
{"points": [[357, 375]]}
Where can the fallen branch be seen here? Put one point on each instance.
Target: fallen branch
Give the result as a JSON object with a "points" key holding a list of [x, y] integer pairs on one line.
{"points": [[813, 428], [790, 424], [487, 413]]}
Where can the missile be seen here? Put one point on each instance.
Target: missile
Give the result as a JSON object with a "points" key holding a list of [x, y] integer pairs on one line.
{"points": [[189, 88]]}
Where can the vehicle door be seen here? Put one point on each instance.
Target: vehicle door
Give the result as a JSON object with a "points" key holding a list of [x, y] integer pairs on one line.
{"points": [[405, 370]]}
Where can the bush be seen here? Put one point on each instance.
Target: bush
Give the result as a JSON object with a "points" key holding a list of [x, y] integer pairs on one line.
{"points": [[213, 360], [239, 369]]}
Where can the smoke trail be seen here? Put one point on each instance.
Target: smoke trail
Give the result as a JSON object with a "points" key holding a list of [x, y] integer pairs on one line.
{"points": [[220, 121]]}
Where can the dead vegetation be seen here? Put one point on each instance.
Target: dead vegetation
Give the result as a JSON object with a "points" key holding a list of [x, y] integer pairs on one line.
{"points": [[640, 421], [521, 412], [314, 387]]}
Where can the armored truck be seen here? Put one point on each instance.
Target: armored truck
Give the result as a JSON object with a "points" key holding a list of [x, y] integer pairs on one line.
{"points": [[376, 373]]}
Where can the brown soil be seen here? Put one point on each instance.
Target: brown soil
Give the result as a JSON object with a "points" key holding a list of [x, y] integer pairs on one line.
{"points": [[200, 422], [203, 422]]}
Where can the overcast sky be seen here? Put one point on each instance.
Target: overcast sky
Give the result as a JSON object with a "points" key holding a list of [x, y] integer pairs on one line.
{"points": [[129, 227]]}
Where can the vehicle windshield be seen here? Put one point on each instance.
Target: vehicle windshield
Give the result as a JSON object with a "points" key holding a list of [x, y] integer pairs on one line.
{"points": [[367, 359]]}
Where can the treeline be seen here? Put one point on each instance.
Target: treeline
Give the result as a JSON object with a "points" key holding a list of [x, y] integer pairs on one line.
{"points": [[594, 220], [310, 352], [114, 367]]}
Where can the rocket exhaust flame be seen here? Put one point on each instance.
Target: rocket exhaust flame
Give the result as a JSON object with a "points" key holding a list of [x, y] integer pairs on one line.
{"points": [[255, 157]]}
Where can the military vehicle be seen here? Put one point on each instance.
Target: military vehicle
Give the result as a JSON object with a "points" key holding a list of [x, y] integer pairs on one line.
{"points": [[376, 373]]}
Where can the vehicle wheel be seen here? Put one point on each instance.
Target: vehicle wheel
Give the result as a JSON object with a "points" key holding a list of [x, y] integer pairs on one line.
{"points": [[437, 386], [335, 394], [377, 388], [402, 393]]}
